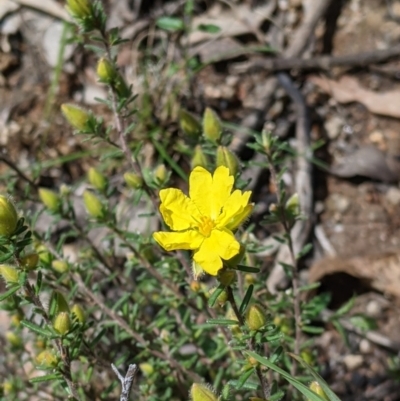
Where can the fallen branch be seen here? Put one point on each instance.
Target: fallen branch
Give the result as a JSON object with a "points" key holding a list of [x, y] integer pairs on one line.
{"points": [[319, 62]]}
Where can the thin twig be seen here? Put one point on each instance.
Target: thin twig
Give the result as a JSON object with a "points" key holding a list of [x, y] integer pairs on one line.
{"points": [[324, 62], [127, 381]]}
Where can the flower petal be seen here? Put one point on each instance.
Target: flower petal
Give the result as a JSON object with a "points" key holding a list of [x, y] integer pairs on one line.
{"points": [[189, 239], [177, 210], [235, 210], [221, 244], [209, 193]]}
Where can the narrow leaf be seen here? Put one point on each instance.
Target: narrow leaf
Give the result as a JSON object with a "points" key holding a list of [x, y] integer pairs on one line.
{"points": [[9, 292], [246, 299]]}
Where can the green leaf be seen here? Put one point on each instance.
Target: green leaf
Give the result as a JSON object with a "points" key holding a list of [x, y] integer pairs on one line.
{"points": [[246, 299], [209, 28], [37, 329], [218, 291], [171, 24], [306, 248], [287, 376], [312, 329], [6, 256], [10, 292], [223, 322], [243, 378], [344, 309], [247, 269], [330, 394], [46, 378]]}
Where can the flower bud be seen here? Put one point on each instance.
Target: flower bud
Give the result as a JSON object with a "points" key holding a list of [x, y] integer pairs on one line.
{"points": [[60, 266], [16, 318], [222, 298], [79, 8], [212, 127], [316, 387], [97, 179], [133, 180], [226, 158], [195, 286], [202, 392], [8, 387], [9, 274], [78, 313], [199, 158], [255, 317], [93, 205], [307, 356], [62, 323], [13, 339], [293, 205], [160, 174], [58, 303], [50, 199], [29, 262], [106, 71], [189, 124], [8, 216], [227, 277], [46, 360], [146, 368], [76, 116], [266, 141], [44, 255]]}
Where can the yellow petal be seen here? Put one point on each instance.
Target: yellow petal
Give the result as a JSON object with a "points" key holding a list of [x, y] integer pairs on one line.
{"points": [[221, 244], [190, 239], [235, 210], [209, 193], [178, 211]]}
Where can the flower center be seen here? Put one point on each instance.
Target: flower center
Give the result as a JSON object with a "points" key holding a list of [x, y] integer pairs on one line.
{"points": [[206, 225]]}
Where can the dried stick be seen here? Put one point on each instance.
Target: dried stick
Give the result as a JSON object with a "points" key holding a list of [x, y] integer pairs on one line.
{"points": [[325, 62], [126, 381]]}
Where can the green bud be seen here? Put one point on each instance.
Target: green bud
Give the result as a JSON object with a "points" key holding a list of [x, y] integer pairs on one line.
{"points": [[8, 216], [60, 266], [46, 360], [316, 387], [227, 277], [199, 158], [146, 368], [133, 180], [50, 199], [293, 205], [13, 339], [93, 205], [202, 392], [78, 313], [255, 317], [58, 304], [226, 158], [266, 140], [79, 8], [97, 179], [76, 116], [212, 127], [29, 262], [160, 174], [62, 323], [222, 298], [44, 255], [189, 124], [9, 274], [106, 71]]}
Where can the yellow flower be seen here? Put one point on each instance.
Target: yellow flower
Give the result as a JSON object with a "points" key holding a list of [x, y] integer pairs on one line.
{"points": [[204, 222]]}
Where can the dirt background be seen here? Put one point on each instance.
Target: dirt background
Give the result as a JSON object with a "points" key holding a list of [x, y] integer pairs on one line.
{"points": [[342, 57]]}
